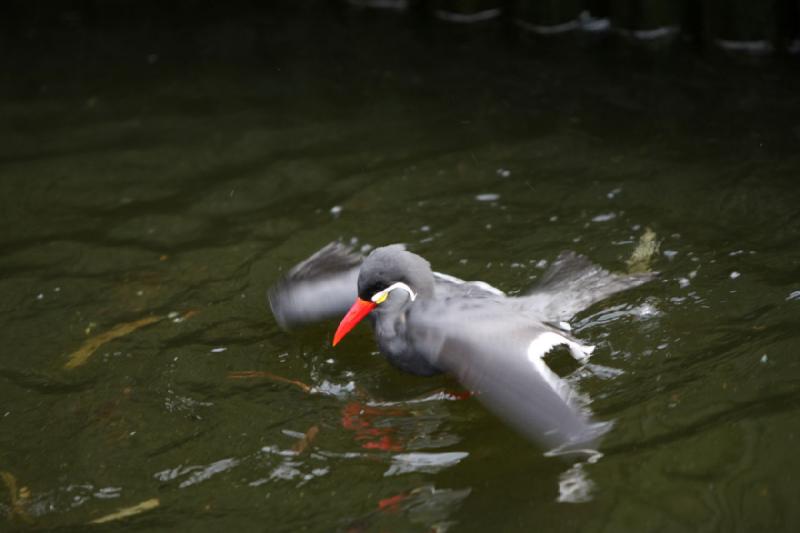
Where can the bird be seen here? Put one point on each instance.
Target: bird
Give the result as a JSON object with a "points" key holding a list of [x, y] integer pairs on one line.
{"points": [[494, 344]]}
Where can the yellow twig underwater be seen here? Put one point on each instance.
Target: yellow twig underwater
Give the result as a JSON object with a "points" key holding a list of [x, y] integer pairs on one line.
{"points": [[644, 252], [80, 356], [146, 505], [260, 374], [18, 498], [305, 441]]}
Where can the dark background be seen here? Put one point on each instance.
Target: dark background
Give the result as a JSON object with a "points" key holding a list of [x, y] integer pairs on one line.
{"points": [[48, 27]]}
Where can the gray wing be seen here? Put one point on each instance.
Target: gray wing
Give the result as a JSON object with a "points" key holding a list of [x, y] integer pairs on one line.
{"points": [[320, 287], [447, 286], [497, 354], [572, 284]]}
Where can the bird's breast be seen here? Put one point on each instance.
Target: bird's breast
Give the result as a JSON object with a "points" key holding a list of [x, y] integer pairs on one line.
{"points": [[395, 345]]}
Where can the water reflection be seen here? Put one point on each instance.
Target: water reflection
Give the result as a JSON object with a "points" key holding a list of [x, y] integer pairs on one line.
{"points": [[426, 506], [429, 463]]}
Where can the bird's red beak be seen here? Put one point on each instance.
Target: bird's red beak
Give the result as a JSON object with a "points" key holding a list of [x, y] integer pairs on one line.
{"points": [[360, 309]]}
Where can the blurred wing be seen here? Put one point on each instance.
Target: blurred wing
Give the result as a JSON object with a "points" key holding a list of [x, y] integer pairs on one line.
{"points": [[572, 284], [498, 355], [321, 287]]}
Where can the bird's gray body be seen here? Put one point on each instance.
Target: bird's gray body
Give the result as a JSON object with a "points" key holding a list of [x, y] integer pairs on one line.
{"points": [[492, 343]]}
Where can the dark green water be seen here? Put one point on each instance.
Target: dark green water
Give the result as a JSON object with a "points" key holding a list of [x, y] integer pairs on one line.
{"points": [[136, 186]]}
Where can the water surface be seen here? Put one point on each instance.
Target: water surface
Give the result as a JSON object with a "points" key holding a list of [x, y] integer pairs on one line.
{"points": [[138, 182]]}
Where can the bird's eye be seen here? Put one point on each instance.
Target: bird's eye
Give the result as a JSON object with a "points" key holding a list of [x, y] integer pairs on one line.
{"points": [[379, 297]]}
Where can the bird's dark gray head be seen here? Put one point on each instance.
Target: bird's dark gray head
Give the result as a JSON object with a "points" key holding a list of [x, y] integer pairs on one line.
{"points": [[392, 264]]}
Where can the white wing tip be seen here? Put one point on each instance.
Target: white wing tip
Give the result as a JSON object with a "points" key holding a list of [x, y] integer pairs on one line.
{"points": [[544, 342], [581, 352]]}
